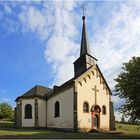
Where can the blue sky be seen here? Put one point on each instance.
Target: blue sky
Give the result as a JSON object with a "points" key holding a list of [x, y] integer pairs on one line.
{"points": [[39, 41]]}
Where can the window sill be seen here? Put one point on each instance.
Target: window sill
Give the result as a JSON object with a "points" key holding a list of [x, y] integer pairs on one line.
{"points": [[85, 112], [56, 116]]}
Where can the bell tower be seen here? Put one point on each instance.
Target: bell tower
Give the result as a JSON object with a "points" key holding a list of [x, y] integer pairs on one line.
{"points": [[85, 61]]}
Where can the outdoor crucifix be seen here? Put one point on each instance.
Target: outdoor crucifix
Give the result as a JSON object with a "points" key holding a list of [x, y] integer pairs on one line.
{"points": [[95, 90]]}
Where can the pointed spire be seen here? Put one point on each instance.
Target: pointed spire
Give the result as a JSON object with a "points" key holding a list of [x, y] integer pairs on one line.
{"points": [[84, 40]]}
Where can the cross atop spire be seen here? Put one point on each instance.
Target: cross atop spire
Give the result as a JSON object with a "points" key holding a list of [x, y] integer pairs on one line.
{"points": [[84, 40], [83, 7]]}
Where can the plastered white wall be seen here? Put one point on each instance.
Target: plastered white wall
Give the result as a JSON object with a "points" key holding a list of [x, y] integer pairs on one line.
{"points": [[41, 113], [28, 122], [65, 120]]}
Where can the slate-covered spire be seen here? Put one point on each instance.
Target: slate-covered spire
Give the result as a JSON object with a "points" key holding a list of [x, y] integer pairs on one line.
{"points": [[84, 40], [86, 60]]}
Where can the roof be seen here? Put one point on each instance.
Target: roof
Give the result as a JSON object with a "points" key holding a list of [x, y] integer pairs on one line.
{"points": [[84, 56], [84, 40], [36, 91], [45, 92], [56, 89]]}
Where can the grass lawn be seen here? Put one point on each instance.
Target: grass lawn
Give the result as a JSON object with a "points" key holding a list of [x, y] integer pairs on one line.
{"points": [[123, 131]]}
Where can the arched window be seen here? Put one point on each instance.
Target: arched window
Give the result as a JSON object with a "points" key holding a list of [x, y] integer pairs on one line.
{"points": [[103, 110], [85, 107], [28, 111], [57, 109]]}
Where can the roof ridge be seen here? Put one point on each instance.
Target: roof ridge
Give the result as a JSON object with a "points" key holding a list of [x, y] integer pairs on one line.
{"points": [[43, 86]]}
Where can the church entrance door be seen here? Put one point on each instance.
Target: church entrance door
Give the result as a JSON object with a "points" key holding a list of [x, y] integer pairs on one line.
{"points": [[96, 122], [95, 116]]}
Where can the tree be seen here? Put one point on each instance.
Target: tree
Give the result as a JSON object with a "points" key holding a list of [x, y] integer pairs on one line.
{"points": [[128, 87], [6, 111]]}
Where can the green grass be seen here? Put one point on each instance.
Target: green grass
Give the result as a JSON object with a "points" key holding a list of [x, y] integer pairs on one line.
{"points": [[6, 124], [128, 129], [123, 131]]}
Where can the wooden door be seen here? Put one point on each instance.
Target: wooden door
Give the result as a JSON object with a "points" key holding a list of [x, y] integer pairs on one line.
{"points": [[95, 122]]}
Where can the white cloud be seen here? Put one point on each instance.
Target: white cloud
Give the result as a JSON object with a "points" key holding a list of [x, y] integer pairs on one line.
{"points": [[65, 70], [113, 44], [5, 100], [61, 48], [7, 9], [34, 20], [116, 99], [118, 116], [118, 41], [55, 24]]}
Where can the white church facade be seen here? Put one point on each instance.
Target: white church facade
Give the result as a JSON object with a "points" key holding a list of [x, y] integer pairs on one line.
{"points": [[82, 103]]}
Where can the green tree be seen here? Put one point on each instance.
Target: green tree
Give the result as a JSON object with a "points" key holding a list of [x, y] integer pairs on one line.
{"points": [[128, 87], [6, 111]]}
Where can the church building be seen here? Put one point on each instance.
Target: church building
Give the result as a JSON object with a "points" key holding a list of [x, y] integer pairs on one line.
{"points": [[81, 104]]}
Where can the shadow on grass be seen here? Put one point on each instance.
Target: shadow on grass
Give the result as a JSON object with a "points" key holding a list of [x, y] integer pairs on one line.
{"points": [[7, 131], [50, 134]]}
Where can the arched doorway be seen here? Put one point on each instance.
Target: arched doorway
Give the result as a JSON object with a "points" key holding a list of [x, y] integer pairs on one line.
{"points": [[95, 116], [96, 121]]}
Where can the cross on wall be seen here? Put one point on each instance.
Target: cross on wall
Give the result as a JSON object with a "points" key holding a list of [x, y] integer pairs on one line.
{"points": [[95, 90]]}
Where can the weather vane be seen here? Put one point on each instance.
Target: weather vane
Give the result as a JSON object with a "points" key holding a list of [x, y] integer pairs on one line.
{"points": [[83, 7]]}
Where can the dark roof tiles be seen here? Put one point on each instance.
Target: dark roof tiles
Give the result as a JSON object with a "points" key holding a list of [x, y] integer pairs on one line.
{"points": [[36, 91]]}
